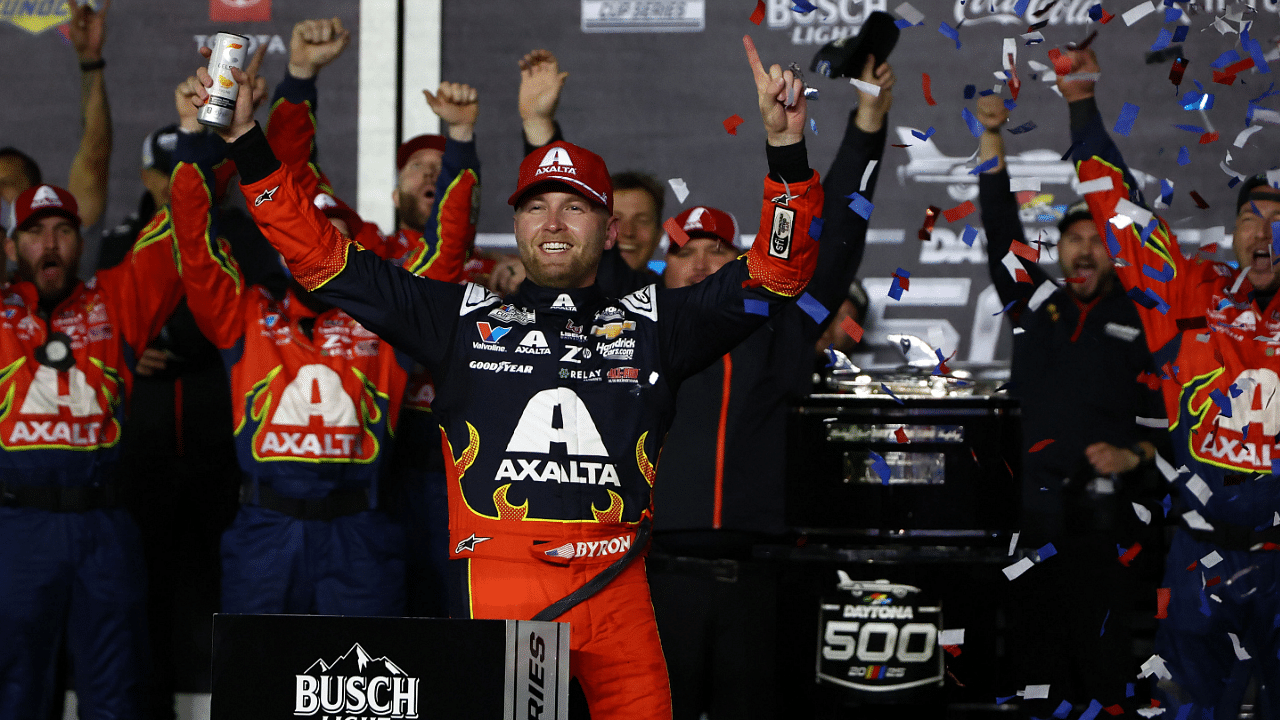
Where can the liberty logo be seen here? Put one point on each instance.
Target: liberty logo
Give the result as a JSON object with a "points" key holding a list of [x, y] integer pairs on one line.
{"points": [[356, 684]]}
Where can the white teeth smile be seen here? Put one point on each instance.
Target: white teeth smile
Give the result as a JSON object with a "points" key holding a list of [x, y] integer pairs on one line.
{"points": [[555, 247]]}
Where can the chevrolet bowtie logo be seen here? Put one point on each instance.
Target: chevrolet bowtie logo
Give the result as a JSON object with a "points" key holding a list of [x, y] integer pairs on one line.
{"points": [[469, 545], [266, 196]]}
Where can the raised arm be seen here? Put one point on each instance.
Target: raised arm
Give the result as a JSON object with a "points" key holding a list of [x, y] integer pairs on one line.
{"points": [[450, 230], [541, 83], [844, 231], [90, 168], [999, 208]]}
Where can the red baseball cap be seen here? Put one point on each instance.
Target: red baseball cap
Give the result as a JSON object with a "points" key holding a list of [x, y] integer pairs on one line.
{"points": [[332, 207], [707, 222], [41, 200], [562, 162], [414, 144]]}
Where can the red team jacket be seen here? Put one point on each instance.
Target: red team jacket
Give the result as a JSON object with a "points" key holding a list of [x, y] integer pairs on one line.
{"points": [[60, 421]]}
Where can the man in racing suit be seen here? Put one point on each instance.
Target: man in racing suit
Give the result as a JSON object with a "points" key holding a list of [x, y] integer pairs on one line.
{"points": [[315, 400], [70, 557], [1214, 333], [549, 482]]}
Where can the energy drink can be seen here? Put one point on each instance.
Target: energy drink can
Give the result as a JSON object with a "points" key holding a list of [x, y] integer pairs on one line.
{"points": [[228, 51]]}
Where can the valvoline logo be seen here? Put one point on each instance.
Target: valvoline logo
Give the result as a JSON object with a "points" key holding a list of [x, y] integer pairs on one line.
{"points": [[490, 333]]}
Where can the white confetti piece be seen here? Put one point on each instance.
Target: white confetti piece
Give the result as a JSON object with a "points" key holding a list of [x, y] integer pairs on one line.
{"points": [[681, 190], [866, 174], [1138, 214], [869, 88], [1195, 521], [1150, 712], [1013, 543], [1042, 293], [1016, 569], [1009, 52], [1158, 423], [1037, 66], [1241, 653], [1243, 137], [1035, 692], [1165, 468], [954, 636], [1211, 559], [1137, 12], [910, 14], [1155, 666], [1265, 115], [1101, 184], [1029, 183], [1200, 489], [1142, 512]]}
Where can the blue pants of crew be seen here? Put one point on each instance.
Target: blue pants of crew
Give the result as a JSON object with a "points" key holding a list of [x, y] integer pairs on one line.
{"points": [[78, 576], [352, 565], [1193, 640]]}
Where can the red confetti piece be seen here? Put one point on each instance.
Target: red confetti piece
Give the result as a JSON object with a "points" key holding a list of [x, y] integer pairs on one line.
{"points": [[1162, 603], [1130, 554], [1175, 74], [899, 146], [1192, 566], [1014, 83], [928, 94], [1208, 137], [953, 650], [903, 282], [901, 436], [731, 124], [1025, 251], [963, 210], [1211, 248], [1227, 75], [930, 218], [758, 14], [1113, 710], [1021, 276], [675, 232], [1006, 467], [1040, 445], [1212, 581], [1200, 203], [1061, 63], [851, 328], [1106, 16], [1222, 78]]}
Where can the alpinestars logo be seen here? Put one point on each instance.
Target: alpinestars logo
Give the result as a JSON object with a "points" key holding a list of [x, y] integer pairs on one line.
{"points": [[266, 196], [356, 685]]}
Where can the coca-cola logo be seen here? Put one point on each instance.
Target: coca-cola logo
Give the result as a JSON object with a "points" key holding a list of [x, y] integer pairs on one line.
{"points": [[1004, 12]]}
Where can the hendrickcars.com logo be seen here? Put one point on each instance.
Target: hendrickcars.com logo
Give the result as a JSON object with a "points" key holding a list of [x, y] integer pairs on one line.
{"points": [[355, 685]]}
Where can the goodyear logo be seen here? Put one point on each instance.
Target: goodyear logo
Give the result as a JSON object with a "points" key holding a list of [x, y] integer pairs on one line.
{"points": [[36, 16]]}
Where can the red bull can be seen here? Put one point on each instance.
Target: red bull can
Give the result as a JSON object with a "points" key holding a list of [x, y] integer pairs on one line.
{"points": [[229, 51]]}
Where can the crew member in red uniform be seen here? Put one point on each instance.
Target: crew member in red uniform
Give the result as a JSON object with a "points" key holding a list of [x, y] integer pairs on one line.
{"points": [[316, 397], [549, 479], [70, 557], [1214, 331]]}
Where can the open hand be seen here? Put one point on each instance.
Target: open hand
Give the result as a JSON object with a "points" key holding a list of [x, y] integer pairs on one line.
{"points": [[458, 105], [88, 29]]}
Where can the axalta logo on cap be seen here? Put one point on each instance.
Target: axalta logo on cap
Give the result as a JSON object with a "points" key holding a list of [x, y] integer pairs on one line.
{"points": [[556, 160], [46, 196], [694, 221]]}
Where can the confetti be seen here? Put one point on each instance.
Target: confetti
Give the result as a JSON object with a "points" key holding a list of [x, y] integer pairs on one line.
{"points": [[975, 128], [1241, 653], [1101, 184], [950, 32], [1245, 134], [1047, 552], [1162, 603], [1137, 12], [880, 466], [866, 174], [930, 218], [1176, 72], [926, 83], [675, 232], [1184, 155], [929, 133], [900, 436], [1208, 137], [963, 210], [1013, 571], [910, 14], [1199, 201], [1024, 127], [1105, 618], [758, 14], [1040, 445], [887, 391], [1163, 275], [1061, 63], [731, 124], [1024, 251], [1163, 40], [1155, 666], [680, 188], [861, 206], [1142, 512], [812, 308], [863, 86], [969, 235], [804, 7], [1130, 554], [851, 328], [988, 165], [1124, 123], [1064, 709], [755, 307], [815, 228]]}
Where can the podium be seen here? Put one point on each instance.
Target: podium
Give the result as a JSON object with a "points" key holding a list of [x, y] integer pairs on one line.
{"points": [[285, 667]]}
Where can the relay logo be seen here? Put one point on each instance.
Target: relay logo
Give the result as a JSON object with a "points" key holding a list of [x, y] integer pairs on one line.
{"points": [[356, 685], [239, 10], [490, 333]]}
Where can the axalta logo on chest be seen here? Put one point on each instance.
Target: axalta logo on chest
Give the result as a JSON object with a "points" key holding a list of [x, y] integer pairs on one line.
{"points": [[557, 417]]}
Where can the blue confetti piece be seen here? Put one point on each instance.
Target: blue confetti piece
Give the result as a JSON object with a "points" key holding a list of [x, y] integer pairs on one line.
{"points": [[1253, 46], [1232, 183], [1047, 552], [1162, 40], [1150, 228], [815, 228], [1027, 126], [1009, 104], [1221, 400], [1124, 123], [755, 307], [1171, 14], [1120, 550], [950, 32], [1163, 275], [1020, 8], [861, 206], [1095, 12], [1275, 239], [1106, 617], [1064, 708], [1092, 711], [1180, 34], [812, 308], [1166, 192], [880, 466], [831, 356], [1113, 245], [1185, 710], [813, 125], [902, 273], [1158, 302], [1227, 58], [971, 233], [1205, 610], [889, 392], [988, 165], [1235, 391], [925, 135], [1005, 309], [1191, 128], [1128, 690], [658, 266], [1167, 504], [975, 127], [1184, 155], [895, 289], [969, 90], [985, 93], [804, 7], [902, 23], [1003, 700]]}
